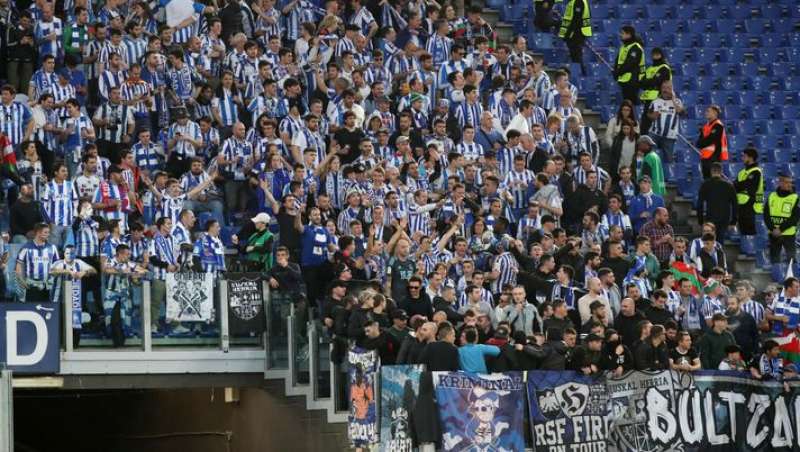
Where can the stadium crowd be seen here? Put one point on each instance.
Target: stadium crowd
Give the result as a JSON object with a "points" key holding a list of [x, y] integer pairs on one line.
{"points": [[395, 142]]}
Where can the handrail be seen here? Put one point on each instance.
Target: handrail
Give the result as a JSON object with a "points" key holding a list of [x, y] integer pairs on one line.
{"points": [[224, 330]]}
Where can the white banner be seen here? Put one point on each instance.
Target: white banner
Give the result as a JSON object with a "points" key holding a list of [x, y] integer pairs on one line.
{"points": [[190, 297]]}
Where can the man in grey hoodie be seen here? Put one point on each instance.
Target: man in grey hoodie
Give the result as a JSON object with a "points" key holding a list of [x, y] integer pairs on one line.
{"points": [[521, 315]]}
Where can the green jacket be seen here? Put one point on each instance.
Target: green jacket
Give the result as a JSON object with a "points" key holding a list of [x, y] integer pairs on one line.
{"points": [[652, 167], [73, 38], [712, 348], [262, 248]]}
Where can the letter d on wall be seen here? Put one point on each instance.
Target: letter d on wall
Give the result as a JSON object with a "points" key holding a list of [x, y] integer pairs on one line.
{"points": [[30, 337], [13, 358]]}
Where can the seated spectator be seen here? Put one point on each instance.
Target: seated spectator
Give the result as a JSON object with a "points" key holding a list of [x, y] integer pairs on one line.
{"points": [[733, 359]]}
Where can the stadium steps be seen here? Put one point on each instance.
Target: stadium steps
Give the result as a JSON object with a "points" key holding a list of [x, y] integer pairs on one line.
{"points": [[329, 436]]}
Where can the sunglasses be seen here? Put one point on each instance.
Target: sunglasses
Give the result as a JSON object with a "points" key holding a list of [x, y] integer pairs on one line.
{"points": [[413, 287]]}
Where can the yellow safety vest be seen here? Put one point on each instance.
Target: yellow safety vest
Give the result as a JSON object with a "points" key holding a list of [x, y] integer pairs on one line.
{"points": [[743, 198], [780, 208], [623, 55], [650, 95], [586, 19]]}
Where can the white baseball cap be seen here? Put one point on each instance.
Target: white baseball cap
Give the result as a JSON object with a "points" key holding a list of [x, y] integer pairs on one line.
{"points": [[261, 218]]}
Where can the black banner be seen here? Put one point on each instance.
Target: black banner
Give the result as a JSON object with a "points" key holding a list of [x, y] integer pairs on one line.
{"points": [[246, 304]]}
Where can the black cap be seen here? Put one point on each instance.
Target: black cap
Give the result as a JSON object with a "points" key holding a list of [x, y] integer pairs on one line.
{"points": [[399, 314], [593, 337]]}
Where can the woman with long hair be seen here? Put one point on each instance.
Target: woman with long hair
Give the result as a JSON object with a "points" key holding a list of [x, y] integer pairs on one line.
{"points": [[624, 112], [623, 148]]}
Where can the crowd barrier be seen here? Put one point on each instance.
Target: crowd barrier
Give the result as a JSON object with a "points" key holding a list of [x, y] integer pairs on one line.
{"points": [[551, 411]]}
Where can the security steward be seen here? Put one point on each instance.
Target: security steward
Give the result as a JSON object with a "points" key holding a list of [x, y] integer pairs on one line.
{"points": [[576, 26], [781, 214], [630, 64], [544, 19], [657, 73], [749, 186], [713, 143]]}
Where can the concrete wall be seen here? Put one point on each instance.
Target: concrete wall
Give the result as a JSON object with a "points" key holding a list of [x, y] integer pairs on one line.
{"points": [[183, 420]]}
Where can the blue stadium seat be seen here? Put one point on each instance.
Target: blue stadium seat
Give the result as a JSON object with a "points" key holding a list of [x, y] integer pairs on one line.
{"points": [[599, 12], [761, 83], [748, 98], [783, 25], [684, 11], [762, 257], [740, 41], [736, 143], [730, 83], [747, 245], [739, 12], [778, 272], [670, 172], [792, 83], [794, 143], [773, 11], [778, 156], [719, 97], [628, 12], [775, 127], [754, 26], [661, 11], [762, 111], [705, 83], [771, 54], [746, 127], [686, 40], [749, 70], [732, 112], [756, 141]]}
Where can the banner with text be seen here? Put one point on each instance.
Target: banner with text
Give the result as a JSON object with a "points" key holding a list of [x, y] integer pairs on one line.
{"points": [[480, 412], [246, 304], [363, 419], [567, 411], [190, 297], [399, 391]]}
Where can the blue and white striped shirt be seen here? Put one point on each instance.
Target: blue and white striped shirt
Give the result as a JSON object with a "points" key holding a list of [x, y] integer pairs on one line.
{"points": [[239, 152], [513, 178], [148, 157], [87, 243], [135, 48], [184, 148], [227, 108], [439, 48], [507, 265], [469, 114], [470, 151], [755, 309], [161, 247], [109, 79], [37, 259], [43, 82], [42, 29], [13, 121], [60, 201]]}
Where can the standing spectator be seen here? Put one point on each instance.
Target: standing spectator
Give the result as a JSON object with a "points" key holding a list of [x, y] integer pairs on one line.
{"points": [[625, 113], [472, 355], [664, 117], [652, 84], [416, 301], [715, 341], [710, 256], [660, 233], [743, 327], [781, 214], [629, 67], [648, 163], [716, 202], [33, 265], [713, 142], [627, 320], [576, 25], [683, 357], [749, 187], [651, 354], [643, 206]]}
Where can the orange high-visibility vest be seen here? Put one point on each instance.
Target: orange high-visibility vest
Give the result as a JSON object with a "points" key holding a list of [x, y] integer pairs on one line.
{"points": [[708, 151]]}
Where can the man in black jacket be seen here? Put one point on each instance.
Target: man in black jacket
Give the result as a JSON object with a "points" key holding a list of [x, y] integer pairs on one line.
{"points": [[651, 354], [445, 303], [743, 327], [657, 313], [412, 347], [442, 354], [417, 302], [587, 358], [716, 202], [627, 320]]}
